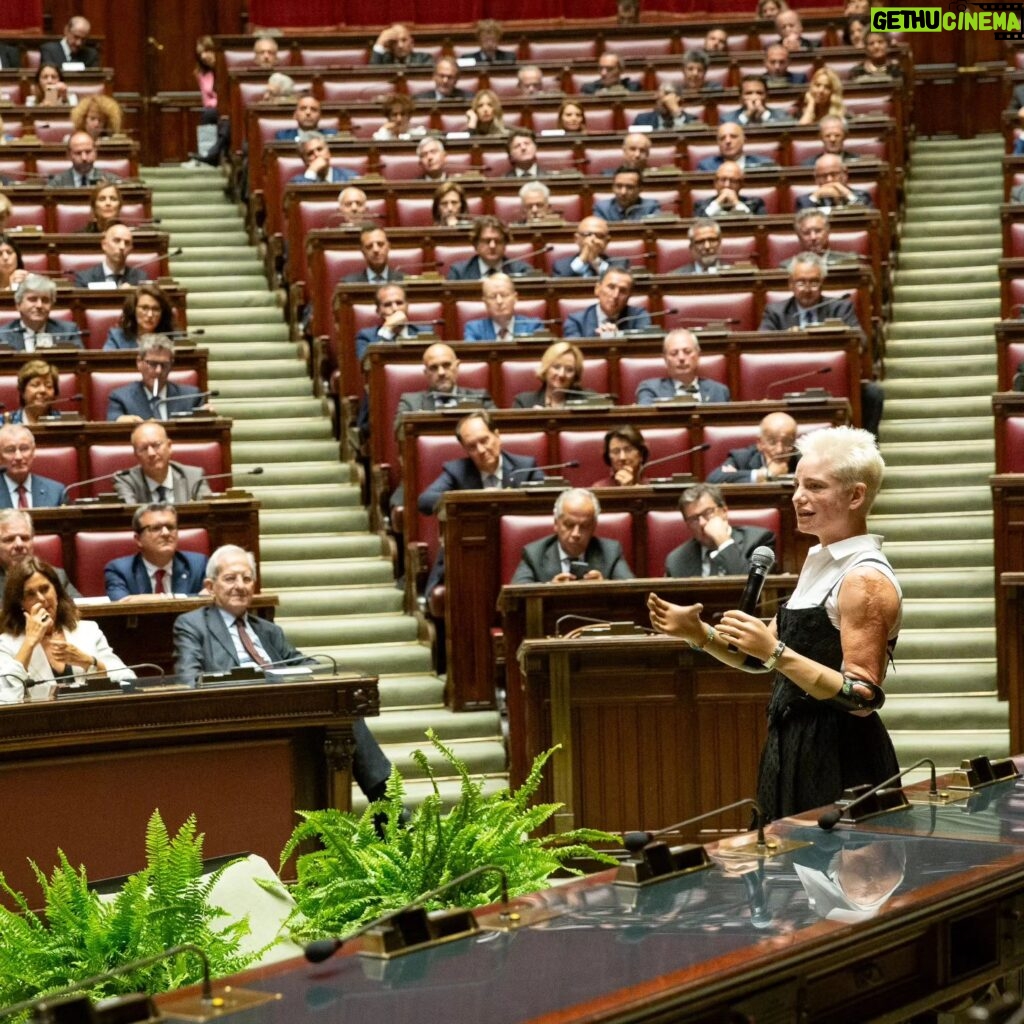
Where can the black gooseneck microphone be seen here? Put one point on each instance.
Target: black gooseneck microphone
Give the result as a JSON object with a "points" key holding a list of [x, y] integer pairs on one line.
{"points": [[829, 819], [571, 464], [676, 455], [634, 842], [193, 494], [792, 380]]}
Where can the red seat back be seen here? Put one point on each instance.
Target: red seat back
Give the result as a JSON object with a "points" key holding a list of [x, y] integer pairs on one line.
{"points": [[59, 462], [94, 549], [712, 307], [102, 382], [1013, 445], [49, 548], [666, 531], [759, 371], [587, 447]]}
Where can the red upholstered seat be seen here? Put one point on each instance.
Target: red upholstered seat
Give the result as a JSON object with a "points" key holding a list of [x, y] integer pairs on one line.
{"points": [[364, 314], [241, 57], [400, 166], [1016, 240], [121, 166], [70, 217], [102, 382], [53, 129], [94, 549], [563, 49], [879, 105], [666, 531], [109, 458], [1013, 445], [651, 46], [332, 56], [760, 371], [674, 252], [449, 254], [59, 462], [711, 307], [506, 85], [587, 447], [49, 548], [356, 89], [27, 215], [518, 375], [9, 390], [784, 244], [518, 531], [632, 370], [207, 455]]}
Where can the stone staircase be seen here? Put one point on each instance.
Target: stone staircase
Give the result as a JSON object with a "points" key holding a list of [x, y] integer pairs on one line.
{"points": [[334, 577]]}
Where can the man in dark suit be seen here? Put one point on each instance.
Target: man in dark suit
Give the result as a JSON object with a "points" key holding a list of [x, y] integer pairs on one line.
{"points": [[446, 83], [626, 202], [695, 73], [307, 119], [83, 172], [488, 35], [395, 45], [681, 352], [728, 198], [71, 47], [35, 329], [754, 107], [592, 237], [832, 187], [352, 207], [17, 542], [157, 478], [489, 237], [441, 368], [776, 68], [394, 320], [790, 27], [521, 146], [502, 323], [373, 241], [117, 246], [19, 486], [610, 77], [832, 132], [717, 547], [611, 314], [158, 568], [316, 155], [812, 228], [224, 636], [153, 396], [731, 139], [10, 57], [561, 557], [705, 244], [773, 456], [668, 112]]}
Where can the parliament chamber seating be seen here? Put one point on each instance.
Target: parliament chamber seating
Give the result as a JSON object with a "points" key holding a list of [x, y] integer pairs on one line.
{"points": [[587, 448], [105, 459], [102, 382], [94, 549]]}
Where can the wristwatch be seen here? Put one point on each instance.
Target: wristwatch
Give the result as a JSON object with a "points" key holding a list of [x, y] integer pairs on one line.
{"points": [[775, 655]]}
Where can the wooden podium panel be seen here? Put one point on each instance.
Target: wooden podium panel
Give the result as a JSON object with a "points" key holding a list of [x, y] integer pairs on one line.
{"points": [[85, 774]]}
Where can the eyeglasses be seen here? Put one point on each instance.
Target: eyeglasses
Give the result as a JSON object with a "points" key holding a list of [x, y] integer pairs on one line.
{"points": [[17, 449], [701, 517], [156, 365], [159, 528]]}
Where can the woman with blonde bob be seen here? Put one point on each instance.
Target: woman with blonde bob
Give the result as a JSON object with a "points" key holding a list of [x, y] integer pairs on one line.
{"points": [[824, 97], [485, 115], [560, 370]]}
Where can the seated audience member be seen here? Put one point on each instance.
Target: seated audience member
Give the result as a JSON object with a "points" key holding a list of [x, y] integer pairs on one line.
{"points": [[307, 119], [791, 28], [35, 328], [397, 109], [535, 203], [352, 207], [876, 63], [265, 51], [116, 245], [636, 153], [695, 71], [394, 320], [441, 368], [717, 548], [807, 308], [522, 154], [49, 89], [832, 132], [773, 455], [6, 209], [592, 237], [38, 383], [824, 97], [12, 264], [485, 116], [19, 486], [316, 155], [611, 314], [486, 465], [754, 108], [627, 12], [681, 352], [490, 238], [101, 116], [768, 9], [728, 198], [572, 552], [776, 68], [72, 47], [158, 569], [445, 85], [225, 635], [626, 453], [610, 77], [488, 36], [395, 45], [626, 203], [157, 478], [281, 88], [44, 634], [560, 374], [153, 396], [572, 118], [831, 187], [501, 323], [83, 172], [104, 207], [716, 40], [705, 245], [812, 228], [668, 113], [530, 80], [10, 57], [855, 30], [17, 542], [147, 310], [376, 250], [450, 207], [433, 159], [731, 139]]}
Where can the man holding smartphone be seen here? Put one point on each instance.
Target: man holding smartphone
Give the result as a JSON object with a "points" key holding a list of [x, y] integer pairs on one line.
{"points": [[573, 552]]}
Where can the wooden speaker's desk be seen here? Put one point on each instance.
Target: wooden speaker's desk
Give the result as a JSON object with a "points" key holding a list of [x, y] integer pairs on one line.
{"points": [[85, 774]]}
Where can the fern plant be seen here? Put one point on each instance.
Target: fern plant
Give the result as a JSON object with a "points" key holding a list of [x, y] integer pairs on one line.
{"points": [[78, 934], [357, 874]]}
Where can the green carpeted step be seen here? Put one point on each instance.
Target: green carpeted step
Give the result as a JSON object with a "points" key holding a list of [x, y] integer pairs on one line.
{"points": [[928, 214], [948, 675], [937, 350], [293, 387], [313, 520], [234, 316], [228, 333], [947, 525], [209, 253], [922, 453], [225, 357], [187, 195], [345, 630], [951, 613], [341, 572], [931, 499], [339, 601], [922, 241], [203, 270], [302, 473], [941, 388], [321, 545], [973, 367], [449, 791], [244, 297], [952, 309], [938, 277], [909, 554], [920, 190], [219, 225], [949, 747], [480, 757], [952, 474], [927, 644], [259, 453], [294, 429], [411, 691], [968, 406], [310, 496], [258, 407], [981, 258], [966, 291], [411, 726], [946, 582], [964, 428], [954, 327], [378, 658], [268, 371], [912, 713]]}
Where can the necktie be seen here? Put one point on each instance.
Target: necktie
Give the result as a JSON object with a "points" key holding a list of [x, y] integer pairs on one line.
{"points": [[250, 647], [504, 334], [705, 562], [158, 582], [566, 565], [161, 494], [30, 341], [22, 496], [491, 482]]}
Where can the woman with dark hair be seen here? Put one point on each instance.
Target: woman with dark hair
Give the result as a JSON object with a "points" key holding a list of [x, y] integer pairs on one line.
{"points": [[397, 108], [876, 63], [12, 264], [855, 31], [49, 89], [626, 452], [572, 118], [38, 385], [43, 633], [560, 370], [147, 310], [105, 204], [450, 206]]}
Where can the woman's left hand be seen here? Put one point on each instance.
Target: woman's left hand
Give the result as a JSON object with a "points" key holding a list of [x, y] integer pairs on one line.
{"points": [[69, 654], [748, 633]]}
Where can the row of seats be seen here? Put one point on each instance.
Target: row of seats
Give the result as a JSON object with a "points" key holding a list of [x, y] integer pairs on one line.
{"points": [[149, 254], [66, 210], [16, 83]]}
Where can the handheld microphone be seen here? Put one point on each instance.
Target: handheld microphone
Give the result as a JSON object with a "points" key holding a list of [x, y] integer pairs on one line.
{"points": [[792, 380], [761, 563], [206, 478], [676, 455], [829, 819], [525, 470]]}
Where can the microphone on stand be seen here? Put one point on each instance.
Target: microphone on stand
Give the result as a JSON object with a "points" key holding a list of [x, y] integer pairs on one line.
{"points": [[676, 455], [526, 256], [571, 464], [93, 480], [54, 413], [792, 380], [150, 260], [581, 393], [194, 332], [818, 305], [701, 323], [190, 397], [829, 819], [657, 314], [206, 478]]}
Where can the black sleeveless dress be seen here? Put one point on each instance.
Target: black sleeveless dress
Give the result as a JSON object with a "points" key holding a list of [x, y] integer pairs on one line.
{"points": [[814, 749]]}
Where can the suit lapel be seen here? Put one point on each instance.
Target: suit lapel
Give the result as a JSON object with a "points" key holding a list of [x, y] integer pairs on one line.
{"points": [[219, 634], [140, 578]]}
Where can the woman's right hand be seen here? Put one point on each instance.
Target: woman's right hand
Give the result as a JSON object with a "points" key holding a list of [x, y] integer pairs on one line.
{"points": [[37, 624], [471, 120]]}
